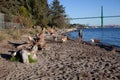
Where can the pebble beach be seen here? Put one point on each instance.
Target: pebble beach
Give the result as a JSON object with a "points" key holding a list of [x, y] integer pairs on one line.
{"points": [[71, 60]]}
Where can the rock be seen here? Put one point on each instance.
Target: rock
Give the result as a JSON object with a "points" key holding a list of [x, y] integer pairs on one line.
{"points": [[25, 54], [34, 52], [34, 56]]}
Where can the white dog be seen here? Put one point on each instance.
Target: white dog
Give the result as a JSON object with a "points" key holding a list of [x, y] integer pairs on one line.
{"points": [[95, 40]]}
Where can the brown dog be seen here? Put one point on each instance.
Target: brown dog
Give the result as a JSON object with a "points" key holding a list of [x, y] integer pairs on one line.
{"points": [[64, 39]]}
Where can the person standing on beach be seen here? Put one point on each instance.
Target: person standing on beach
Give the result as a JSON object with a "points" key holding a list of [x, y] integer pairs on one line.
{"points": [[80, 35], [52, 33]]}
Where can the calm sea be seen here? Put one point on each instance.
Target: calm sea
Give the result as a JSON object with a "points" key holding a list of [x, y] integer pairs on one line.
{"points": [[110, 36]]}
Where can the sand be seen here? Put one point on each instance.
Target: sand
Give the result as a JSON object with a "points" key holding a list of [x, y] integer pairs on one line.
{"points": [[63, 61]]}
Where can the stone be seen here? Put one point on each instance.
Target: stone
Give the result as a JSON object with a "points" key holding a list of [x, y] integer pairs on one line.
{"points": [[24, 55]]}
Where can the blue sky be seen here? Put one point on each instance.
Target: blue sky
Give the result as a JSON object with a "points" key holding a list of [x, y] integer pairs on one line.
{"points": [[92, 8]]}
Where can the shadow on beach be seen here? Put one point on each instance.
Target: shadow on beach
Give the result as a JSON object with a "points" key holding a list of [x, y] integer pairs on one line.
{"points": [[5, 56]]}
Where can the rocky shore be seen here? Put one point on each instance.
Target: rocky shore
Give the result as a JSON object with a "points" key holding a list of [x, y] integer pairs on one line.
{"points": [[64, 61]]}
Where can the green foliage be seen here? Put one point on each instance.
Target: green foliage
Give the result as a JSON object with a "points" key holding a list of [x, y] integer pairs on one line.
{"points": [[15, 59], [8, 17], [56, 14], [4, 10], [23, 11], [31, 60], [40, 9], [9, 6], [35, 12]]}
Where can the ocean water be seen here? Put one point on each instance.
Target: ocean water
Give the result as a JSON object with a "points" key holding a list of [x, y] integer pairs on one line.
{"points": [[110, 36]]}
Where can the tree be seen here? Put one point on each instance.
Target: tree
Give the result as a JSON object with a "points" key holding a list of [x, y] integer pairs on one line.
{"points": [[9, 6], [56, 14], [38, 10], [35, 10], [23, 11]]}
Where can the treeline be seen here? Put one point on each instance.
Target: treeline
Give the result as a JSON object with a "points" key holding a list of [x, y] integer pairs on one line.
{"points": [[34, 12]]}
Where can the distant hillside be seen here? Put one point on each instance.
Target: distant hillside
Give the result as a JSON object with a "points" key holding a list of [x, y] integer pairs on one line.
{"points": [[112, 26]]}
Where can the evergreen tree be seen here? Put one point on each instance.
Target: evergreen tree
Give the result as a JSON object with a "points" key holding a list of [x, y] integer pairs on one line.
{"points": [[36, 10], [57, 14], [39, 11], [8, 6]]}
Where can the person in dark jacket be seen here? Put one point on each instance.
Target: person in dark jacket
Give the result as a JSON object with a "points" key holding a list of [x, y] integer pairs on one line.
{"points": [[80, 34]]}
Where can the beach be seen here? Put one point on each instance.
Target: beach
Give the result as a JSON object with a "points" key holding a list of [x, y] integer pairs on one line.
{"points": [[71, 60]]}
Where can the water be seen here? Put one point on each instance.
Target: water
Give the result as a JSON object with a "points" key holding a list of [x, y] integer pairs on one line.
{"points": [[110, 36]]}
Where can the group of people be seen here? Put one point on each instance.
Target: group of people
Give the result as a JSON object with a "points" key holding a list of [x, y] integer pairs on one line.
{"points": [[80, 33]]}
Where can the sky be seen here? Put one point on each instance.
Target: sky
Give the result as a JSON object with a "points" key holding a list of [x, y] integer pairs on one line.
{"points": [[92, 8]]}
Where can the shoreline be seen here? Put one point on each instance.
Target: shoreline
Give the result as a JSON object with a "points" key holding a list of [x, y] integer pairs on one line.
{"points": [[66, 61], [108, 47]]}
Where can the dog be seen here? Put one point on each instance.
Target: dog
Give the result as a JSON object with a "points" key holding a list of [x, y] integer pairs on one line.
{"points": [[64, 39], [95, 40]]}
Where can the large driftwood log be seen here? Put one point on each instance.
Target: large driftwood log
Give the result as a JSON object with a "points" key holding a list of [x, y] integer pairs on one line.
{"points": [[41, 39], [24, 46], [29, 43], [31, 40], [30, 47]]}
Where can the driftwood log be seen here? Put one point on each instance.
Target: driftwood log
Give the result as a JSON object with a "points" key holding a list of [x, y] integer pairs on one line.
{"points": [[37, 40], [30, 47]]}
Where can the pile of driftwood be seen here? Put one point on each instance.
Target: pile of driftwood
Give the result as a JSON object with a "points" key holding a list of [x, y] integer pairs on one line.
{"points": [[29, 48]]}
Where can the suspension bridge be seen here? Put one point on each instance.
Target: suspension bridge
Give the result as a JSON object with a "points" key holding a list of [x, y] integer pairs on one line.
{"points": [[101, 17]]}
